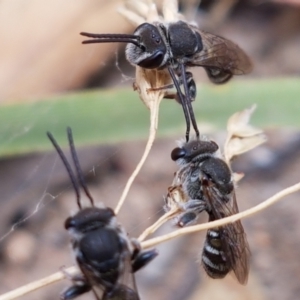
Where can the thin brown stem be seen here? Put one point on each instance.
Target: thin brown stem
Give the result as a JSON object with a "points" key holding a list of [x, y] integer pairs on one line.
{"points": [[35, 285], [162, 220], [154, 110], [245, 214]]}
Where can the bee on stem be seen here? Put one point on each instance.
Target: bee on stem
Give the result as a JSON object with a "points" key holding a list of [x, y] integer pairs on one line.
{"points": [[204, 183], [175, 47], [106, 256]]}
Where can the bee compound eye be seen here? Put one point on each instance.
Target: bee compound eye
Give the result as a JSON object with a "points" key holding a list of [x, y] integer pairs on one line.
{"points": [[70, 222], [178, 153]]}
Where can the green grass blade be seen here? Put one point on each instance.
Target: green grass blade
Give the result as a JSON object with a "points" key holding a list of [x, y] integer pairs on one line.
{"points": [[111, 116]]}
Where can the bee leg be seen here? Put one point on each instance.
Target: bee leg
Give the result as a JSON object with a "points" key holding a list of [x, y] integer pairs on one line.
{"points": [[142, 259], [192, 208], [171, 95], [80, 287], [187, 218], [192, 90], [190, 94], [196, 205], [183, 101]]}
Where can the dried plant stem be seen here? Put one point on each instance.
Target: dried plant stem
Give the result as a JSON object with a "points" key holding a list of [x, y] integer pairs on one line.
{"points": [[163, 219], [25, 289], [152, 242], [222, 222], [154, 110]]}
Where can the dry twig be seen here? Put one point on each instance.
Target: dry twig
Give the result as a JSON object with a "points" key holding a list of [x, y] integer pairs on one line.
{"points": [[162, 220], [221, 222]]}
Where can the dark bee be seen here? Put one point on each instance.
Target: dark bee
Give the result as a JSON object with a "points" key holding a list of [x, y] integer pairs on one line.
{"points": [[204, 183], [105, 255], [176, 47]]}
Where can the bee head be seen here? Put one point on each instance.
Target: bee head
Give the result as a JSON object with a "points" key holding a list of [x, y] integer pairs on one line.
{"points": [[89, 219], [150, 53], [194, 149]]}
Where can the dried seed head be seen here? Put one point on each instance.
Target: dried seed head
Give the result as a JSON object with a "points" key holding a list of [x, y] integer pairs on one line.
{"points": [[242, 137]]}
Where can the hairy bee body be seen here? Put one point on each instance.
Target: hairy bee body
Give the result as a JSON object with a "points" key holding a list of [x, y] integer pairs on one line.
{"points": [[176, 46], [104, 253], [204, 183], [106, 256]]}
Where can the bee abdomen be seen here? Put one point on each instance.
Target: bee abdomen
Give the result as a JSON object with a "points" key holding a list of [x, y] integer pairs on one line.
{"points": [[213, 259]]}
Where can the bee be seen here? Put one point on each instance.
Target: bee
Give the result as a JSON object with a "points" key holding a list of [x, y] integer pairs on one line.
{"points": [[106, 256], [175, 47], [204, 183]]}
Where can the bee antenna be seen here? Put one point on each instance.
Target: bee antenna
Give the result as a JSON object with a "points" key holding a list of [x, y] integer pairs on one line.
{"points": [[111, 38], [77, 166], [67, 166]]}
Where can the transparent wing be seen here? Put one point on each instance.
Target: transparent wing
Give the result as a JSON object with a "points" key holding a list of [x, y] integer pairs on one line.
{"points": [[98, 290], [233, 237], [223, 54], [121, 292], [125, 288]]}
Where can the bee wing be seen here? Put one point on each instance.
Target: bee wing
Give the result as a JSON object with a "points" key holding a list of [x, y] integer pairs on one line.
{"points": [[98, 290], [125, 289], [223, 54], [121, 292], [233, 236]]}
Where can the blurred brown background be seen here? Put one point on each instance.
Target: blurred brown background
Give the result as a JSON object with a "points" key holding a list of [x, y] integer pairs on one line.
{"points": [[41, 55]]}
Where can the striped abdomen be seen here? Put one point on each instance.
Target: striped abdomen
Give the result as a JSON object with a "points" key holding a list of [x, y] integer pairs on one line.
{"points": [[213, 256]]}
